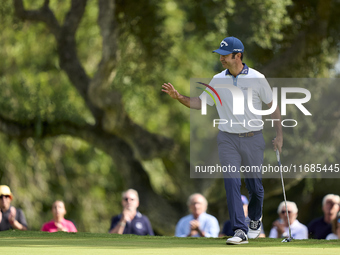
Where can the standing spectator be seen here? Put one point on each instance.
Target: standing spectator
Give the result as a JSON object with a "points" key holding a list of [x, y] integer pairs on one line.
{"points": [[198, 223], [280, 227], [335, 229], [319, 228], [130, 221], [59, 223], [10, 217], [227, 230]]}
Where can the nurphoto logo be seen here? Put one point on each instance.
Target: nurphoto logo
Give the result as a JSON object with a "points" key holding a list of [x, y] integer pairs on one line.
{"points": [[238, 103]]}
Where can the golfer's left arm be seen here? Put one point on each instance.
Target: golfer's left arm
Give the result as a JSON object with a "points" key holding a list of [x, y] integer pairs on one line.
{"points": [[278, 140]]}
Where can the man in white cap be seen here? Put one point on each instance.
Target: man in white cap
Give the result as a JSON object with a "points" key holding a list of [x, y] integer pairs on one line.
{"points": [[10, 217]]}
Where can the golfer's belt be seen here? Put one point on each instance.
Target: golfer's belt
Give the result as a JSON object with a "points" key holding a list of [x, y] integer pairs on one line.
{"points": [[249, 134]]}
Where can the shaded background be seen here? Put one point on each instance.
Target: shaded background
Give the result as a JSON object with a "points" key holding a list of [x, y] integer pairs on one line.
{"points": [[82, 115]]}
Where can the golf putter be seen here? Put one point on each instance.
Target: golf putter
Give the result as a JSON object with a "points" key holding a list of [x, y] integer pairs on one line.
{"points": [[289, 238]]}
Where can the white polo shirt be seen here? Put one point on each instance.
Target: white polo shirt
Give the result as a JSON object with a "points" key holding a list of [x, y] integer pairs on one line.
{"points": [[261, 92]]}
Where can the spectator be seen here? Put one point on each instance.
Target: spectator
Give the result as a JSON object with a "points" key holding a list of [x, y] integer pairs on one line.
{"points": [[335, 229], [10, 217], [227, 231], [130, 221], [198, 223], [319, 228], [59, 223], [280, 227]]}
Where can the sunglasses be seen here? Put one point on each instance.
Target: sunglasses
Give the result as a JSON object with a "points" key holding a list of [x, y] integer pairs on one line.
{"points": [[338, 220], [127, 199], [331, 203], [6, 196], [283, 212]]}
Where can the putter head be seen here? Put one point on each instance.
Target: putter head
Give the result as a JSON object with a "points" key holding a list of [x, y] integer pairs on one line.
{"points": [[287, 240]]}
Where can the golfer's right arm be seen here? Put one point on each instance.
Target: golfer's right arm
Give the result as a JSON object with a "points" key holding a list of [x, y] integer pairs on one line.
{"points": [[190, 102]]}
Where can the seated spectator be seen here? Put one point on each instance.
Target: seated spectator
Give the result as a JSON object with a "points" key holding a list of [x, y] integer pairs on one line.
{"points": [[130, 221], [198, 223], [10, 217], [319, 228], [335, 229], [227, 231], [280, 227], [59, 223]]}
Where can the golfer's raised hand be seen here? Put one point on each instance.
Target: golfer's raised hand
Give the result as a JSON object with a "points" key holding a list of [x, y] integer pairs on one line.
{"points": [[170, 90]]}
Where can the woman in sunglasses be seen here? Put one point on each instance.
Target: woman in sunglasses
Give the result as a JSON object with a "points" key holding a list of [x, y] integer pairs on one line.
{"points": [[335, 229], [280, 227]]}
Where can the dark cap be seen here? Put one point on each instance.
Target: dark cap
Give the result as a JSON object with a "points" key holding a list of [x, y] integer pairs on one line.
{"points": [[230, 45]]}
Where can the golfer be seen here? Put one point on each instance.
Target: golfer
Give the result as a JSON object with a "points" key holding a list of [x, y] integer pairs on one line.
{"points": [[242, 143]]}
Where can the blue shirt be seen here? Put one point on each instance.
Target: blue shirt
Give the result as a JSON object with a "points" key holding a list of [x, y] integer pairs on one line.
{"points": [[208, 224], [319, 229], [140, 225]]}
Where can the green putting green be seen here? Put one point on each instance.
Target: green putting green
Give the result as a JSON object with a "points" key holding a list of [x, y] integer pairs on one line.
{"points": [[35, 243]]}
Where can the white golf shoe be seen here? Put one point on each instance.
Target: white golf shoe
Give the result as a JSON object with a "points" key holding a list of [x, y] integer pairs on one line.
{"points": [[254, 229], [239, 238]]}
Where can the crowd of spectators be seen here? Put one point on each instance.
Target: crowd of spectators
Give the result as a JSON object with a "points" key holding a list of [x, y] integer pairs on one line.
{"points": [[196, 224]]}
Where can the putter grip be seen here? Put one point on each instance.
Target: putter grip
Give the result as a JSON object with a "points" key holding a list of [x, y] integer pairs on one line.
{"points": [[278, 155]]}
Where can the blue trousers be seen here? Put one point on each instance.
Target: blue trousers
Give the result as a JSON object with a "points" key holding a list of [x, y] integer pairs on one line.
{"points": [[234, 152]]}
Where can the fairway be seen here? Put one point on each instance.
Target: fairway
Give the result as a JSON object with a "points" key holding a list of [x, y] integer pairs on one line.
{"points": [[31, 242]]}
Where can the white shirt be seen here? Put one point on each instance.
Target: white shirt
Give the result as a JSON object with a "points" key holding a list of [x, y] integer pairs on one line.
{"points": [[299, 231], [261, 92]]}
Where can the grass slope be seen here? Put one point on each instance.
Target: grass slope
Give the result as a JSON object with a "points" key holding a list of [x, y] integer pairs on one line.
{"points": [[33, 242]]}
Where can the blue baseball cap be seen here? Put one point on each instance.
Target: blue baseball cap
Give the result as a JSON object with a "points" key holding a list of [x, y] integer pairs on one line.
{"points": [[230, 45], [244, 200]]}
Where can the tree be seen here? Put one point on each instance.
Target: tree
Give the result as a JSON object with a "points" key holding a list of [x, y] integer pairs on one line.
{"points": [[113, 131]]}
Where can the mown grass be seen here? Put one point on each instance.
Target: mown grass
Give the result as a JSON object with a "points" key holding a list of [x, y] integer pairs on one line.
{"points": [[34, 242]]}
